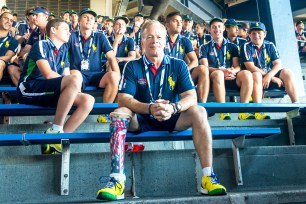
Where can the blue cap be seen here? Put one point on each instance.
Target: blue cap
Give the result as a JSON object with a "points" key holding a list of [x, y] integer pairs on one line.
{"points": [[257, 26], [231, 22], [187, 18], [88, 10], [215, 19], [40, 10]]}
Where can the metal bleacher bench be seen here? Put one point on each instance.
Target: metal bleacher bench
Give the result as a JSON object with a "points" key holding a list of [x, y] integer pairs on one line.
{"points": [[237, 135]]}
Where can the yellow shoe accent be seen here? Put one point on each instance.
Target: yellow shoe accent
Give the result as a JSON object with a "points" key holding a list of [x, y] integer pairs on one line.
{"points": [[246, 116], [262, 116], [114, 190], [51, 148], [211, 186], [251, 100], [103, 119], [225, 116]]}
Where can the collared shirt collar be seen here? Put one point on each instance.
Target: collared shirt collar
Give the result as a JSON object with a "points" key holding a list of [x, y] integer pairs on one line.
{"points": [[224, 42], [179, 36], [262, 46], [148, 63], [113, 37]]}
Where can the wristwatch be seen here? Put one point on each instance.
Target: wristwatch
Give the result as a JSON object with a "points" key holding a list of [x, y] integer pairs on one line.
{"points": [[178, 107]]}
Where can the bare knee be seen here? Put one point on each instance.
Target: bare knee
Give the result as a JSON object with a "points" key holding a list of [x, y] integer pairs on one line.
{"points": [[197, 113], [257, 77], [217, 76]]}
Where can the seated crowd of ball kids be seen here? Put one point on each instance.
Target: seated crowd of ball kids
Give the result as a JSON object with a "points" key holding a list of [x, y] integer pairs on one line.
{"points": [[151, 68]]}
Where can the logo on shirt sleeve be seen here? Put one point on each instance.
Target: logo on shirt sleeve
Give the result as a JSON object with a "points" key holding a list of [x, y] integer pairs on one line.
{"points": [[171, 82]]}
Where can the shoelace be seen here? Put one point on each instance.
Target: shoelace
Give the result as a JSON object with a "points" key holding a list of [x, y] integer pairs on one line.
{"points": [[110, 182], [214, 178]]}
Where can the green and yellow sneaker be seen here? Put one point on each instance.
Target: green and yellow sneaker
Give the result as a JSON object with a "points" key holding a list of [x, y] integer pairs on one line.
{"points": [[114, 190], [51, 148], [211, 186], [246, 116], [262, 116], [225, 116], [103, 118]]}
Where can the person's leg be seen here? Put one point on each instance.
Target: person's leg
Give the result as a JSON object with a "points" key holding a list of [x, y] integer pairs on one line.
{"points": [[287, 77], [14, 72], [200, 75], [121, 121], [196, 117], [217, 78], [245, 82], [110, 82], [70, 88], [2, 67], [84, 104], [257, 87]]}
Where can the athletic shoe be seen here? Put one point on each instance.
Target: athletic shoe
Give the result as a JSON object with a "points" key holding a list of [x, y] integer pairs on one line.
{"points": [[262, 116], [103, 118], [225, 116], [246, 116], [51, 148], [114, 190], [211, 186]]}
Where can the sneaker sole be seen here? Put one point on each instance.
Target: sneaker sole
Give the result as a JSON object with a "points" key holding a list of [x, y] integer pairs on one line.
{"points": [[214, 192], [109, 196]]}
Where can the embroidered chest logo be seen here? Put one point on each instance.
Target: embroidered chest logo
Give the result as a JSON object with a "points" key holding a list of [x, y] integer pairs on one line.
{"points": [[126, 49], [171, 82], [62, 64], [142, 81], [268, 58], [228, 55], [181, 50], [94, 47], [7, 44]]}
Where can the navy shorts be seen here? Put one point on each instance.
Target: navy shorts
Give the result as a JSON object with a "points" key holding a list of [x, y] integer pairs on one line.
{"points": [[40, 92], [273, 85], [92, 78], [146, 123], [229, 84]]}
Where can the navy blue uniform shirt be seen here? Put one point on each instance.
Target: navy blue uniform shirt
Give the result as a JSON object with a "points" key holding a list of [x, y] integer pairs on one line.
{"points": [[126, 46], [201, 41], [44, 50], [8, 43], [268, 53], [22, 29], [210, 50], [137, 36], [182, 46], [99, 46], [176, 80], [36, 36]]}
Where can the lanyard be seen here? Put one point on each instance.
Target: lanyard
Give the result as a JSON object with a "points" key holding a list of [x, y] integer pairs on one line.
{"points": [[53, 47], [265, 56], [177, 48], [161, 82], [5, 39], [81, 46], [218, 60], [44, 36]]}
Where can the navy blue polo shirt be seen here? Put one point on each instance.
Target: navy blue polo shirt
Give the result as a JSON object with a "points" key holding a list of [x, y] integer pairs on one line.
{"points": [[208, 51], [22, 29], [239, 41], [71, 28], [176, 80], [44, 50], [300, 44], [36, 36], [99, 46], [268, 53], [137, 36], [126, 46], [201, 41], [188, 34], [8, 43], [182, 46]]}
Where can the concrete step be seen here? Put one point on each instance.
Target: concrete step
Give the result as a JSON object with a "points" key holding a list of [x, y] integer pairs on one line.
{"points": [[160, 176]]}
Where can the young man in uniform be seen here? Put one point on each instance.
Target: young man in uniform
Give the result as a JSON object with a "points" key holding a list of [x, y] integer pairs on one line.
{"points": [[232, 30], [222, 59], [134, 32], [300, 35], [123, 46], [46, 81], [157, 93], [181, 47], [86, 48], [8, 44], [262, 59], [74, 18]]}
